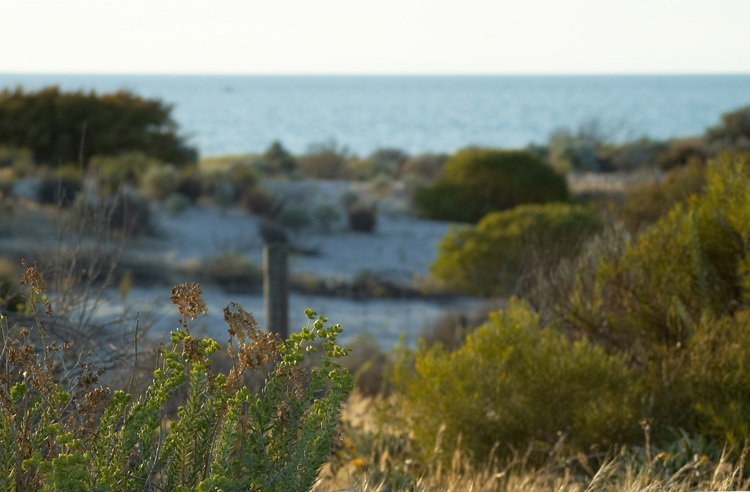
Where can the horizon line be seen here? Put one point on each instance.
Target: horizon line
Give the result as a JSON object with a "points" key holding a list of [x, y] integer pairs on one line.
{"points": [[378, 74]]}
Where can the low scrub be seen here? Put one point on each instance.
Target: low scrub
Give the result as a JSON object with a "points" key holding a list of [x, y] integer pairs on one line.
{"points": [[489, 258], [69, 432], [475, 182], [515, 382]]}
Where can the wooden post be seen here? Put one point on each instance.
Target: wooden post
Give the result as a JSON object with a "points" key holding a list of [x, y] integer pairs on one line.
{"points": [[276, 288]]}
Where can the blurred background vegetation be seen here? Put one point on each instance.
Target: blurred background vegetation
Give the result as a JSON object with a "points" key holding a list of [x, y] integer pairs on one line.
{"points": [[618, 277]]}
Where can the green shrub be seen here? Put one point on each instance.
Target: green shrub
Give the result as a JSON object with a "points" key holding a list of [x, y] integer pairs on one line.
{"points": [[113, 172], [517, 385], [648, 203], [20, 160], [277, 160], [690, 262], [64, 126], [487, 259], [674, 301], [326, 215], [72, 433], [158, 183], [294, 218], [475, 182]]}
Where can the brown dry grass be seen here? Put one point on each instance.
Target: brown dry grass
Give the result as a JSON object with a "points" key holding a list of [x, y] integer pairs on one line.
{"points": [[372, 459]]}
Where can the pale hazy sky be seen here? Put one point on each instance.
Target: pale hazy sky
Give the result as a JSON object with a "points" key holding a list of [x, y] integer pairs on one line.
{"points": [[375, 37]]}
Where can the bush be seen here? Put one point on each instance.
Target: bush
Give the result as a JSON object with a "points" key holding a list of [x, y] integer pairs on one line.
{"points": [[734, 130], [488, 259], [324, 161], [190, 184], [478, 181], [648, 203], [158, 183], [423, 167], [114, 172], [233, 272], [569, 153], [258, 201], [517, 385], [176, 203], [674, 300], [72, 433], [129, 213], [326, 215], [294, 218], [631, 156], [277, 160], [362, 218], [53, 124], [683, 152], [20, 160], [61, 187], [11, 295], [690, 262]]}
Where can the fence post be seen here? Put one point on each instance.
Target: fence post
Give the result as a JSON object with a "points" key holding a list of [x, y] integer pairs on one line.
{"points": [[276, 288]]}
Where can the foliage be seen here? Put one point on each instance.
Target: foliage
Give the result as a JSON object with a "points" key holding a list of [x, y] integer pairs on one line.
{"points": [[126, 212], [295, 218], [734, 130], [475, 182], [71, 433], [61, 186], [362, 218], [62, 126], [190, 183], [19, 159], [570, 152], [324, 161], [278, 160], [648, 203], [127, 169], [514, 382], [487, 259], [674, 300], [689, 262], [326, 215], [683, 152], [159, 182], [423, 167], [630, 156]]}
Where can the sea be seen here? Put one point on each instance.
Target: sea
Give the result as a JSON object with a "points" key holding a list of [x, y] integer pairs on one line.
{"points": [[223, 115]]}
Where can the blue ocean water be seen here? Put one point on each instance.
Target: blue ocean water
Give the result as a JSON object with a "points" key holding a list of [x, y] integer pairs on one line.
{"points": [[241, 114]]}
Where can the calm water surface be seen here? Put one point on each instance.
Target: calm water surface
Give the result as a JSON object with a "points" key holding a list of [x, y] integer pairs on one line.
{"points": [[241, 114]]}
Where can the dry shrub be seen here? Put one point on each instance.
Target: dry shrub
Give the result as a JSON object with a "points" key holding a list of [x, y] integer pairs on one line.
{"points": [[324, 161], [362, 218]]}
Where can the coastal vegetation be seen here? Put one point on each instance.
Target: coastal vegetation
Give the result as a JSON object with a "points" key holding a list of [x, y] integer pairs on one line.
{"points": [[615, 356]]}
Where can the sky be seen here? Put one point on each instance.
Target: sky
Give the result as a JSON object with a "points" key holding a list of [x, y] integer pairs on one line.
{"points": [[375, 37]]}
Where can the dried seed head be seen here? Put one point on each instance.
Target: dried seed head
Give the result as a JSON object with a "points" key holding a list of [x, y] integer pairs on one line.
{"points": [[33, 279], [188, 299]]}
